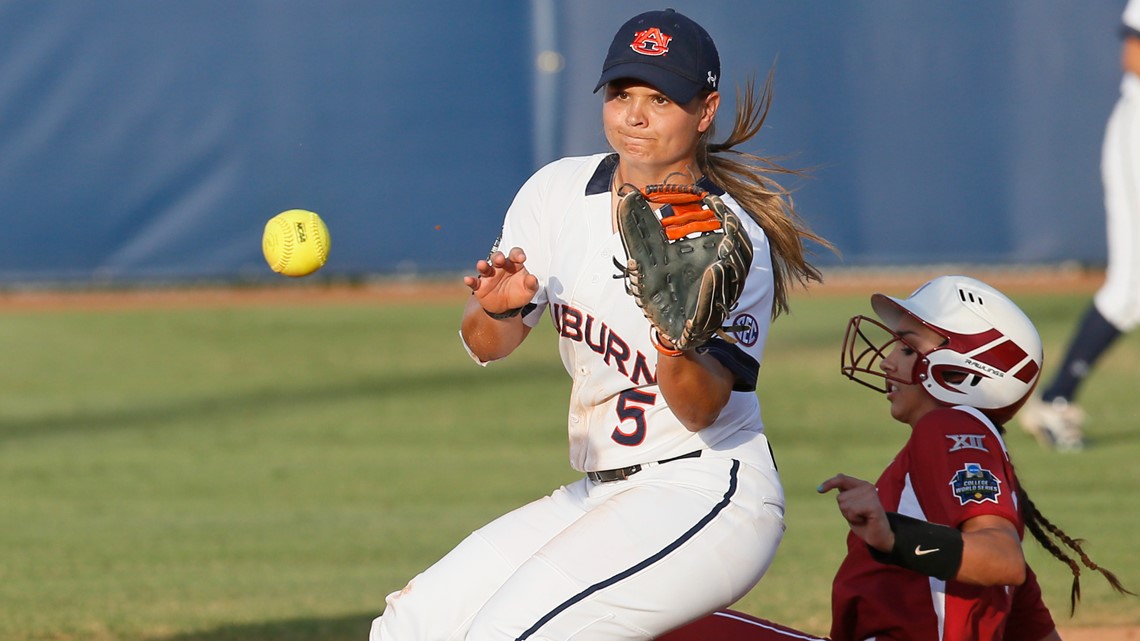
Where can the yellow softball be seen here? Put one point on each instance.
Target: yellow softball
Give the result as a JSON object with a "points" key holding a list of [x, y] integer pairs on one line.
{"points": [[295, 243]]}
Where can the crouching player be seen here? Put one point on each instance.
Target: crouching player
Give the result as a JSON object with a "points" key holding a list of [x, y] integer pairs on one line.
{"points": [[934, 550]]}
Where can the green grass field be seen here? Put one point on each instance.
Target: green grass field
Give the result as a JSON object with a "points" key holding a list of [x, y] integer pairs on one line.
{"points": [[272, 472]]}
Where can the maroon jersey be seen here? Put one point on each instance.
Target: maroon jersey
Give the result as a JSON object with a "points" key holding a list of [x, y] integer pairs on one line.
{"points": [[953, 468]]}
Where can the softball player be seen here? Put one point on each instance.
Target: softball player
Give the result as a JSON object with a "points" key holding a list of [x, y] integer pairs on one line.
{"points": [[934, 550], [680, 509], [1055, 419], [935, 545]]}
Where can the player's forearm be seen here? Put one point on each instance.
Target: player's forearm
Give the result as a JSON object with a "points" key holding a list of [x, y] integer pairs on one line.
{"points": [[991, 556], [696, 386], [986, 551], [489, 338]]}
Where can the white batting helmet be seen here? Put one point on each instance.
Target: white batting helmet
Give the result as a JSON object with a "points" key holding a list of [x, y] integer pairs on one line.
{"points": [[990, 359]]}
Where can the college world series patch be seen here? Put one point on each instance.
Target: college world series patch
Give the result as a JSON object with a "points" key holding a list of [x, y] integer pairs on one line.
{"points": [[975, 483]]}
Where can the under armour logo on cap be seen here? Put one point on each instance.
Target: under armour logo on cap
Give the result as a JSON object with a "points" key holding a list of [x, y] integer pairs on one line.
{"points": [[651, 42]]}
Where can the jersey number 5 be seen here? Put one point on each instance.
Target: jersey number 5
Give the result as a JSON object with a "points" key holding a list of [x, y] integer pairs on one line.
{"points": [[631, 407]]}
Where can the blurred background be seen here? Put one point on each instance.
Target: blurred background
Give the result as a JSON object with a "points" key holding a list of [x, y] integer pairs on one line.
{"points": [[148, 142]]}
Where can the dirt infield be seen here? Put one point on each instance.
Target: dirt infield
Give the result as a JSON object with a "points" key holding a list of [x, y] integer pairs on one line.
{"points": [[217, 297], [1012, 281], [1100, 634]]}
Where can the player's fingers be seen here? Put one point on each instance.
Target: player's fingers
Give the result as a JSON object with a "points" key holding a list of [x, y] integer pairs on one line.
{"points": [[829, 484], [531, 283], [517, 255], [485, 267], [497, 259], [841, 482]]}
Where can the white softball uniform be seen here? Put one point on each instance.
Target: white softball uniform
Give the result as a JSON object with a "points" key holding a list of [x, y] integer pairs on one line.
{"points": [[1118, 300], [690, 532]]}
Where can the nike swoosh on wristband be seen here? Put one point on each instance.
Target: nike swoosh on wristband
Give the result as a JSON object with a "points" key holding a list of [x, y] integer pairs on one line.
{"points": [[918, 551]]}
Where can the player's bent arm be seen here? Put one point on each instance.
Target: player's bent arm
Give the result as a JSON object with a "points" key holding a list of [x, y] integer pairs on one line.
{"points": [[991, 552], [986, 550], [489, 338], [696, 386]]}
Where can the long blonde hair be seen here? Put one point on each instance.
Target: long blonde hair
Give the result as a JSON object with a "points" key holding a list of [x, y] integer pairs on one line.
{"points": [[749, 179]]}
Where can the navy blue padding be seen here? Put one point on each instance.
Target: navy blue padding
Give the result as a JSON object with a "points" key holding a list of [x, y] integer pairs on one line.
{"points": [[700, 525], [603, 176], [740, 363], [708, 185]]}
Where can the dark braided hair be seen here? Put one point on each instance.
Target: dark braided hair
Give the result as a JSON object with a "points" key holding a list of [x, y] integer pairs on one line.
{"points": [[1052, 538], [1048, 534]]}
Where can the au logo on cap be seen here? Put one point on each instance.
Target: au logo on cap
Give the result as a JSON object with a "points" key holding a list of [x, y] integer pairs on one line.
{"points": [[651, 42]]}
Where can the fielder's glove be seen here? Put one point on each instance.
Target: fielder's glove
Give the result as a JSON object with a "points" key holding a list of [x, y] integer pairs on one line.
{"points": [[686, 270]]}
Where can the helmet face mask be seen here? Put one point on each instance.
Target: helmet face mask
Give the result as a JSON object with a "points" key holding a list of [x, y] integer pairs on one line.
{"points": [[990, 357], [866, 345]]}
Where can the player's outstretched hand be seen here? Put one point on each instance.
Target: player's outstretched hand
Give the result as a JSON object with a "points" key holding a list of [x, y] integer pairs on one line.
{"points": [[859, 503], [503, 282]]}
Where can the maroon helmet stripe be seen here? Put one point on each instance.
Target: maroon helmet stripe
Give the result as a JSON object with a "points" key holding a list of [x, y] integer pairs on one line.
{"points": [[1003, 356], [1026, 374]]}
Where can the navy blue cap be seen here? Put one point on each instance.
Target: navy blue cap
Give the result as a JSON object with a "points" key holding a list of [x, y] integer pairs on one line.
{"points": [[668, 51]]}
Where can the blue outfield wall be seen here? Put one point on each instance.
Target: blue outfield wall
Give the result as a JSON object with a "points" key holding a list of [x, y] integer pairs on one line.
{"points": [[145, 141]]}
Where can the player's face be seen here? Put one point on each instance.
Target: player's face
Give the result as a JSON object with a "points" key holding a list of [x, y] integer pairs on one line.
{"points": [[909, 402], [651, 133]]}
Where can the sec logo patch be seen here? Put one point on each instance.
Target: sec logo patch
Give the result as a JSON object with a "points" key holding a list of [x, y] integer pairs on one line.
{"points": [[746, 329], [975, 484]]}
